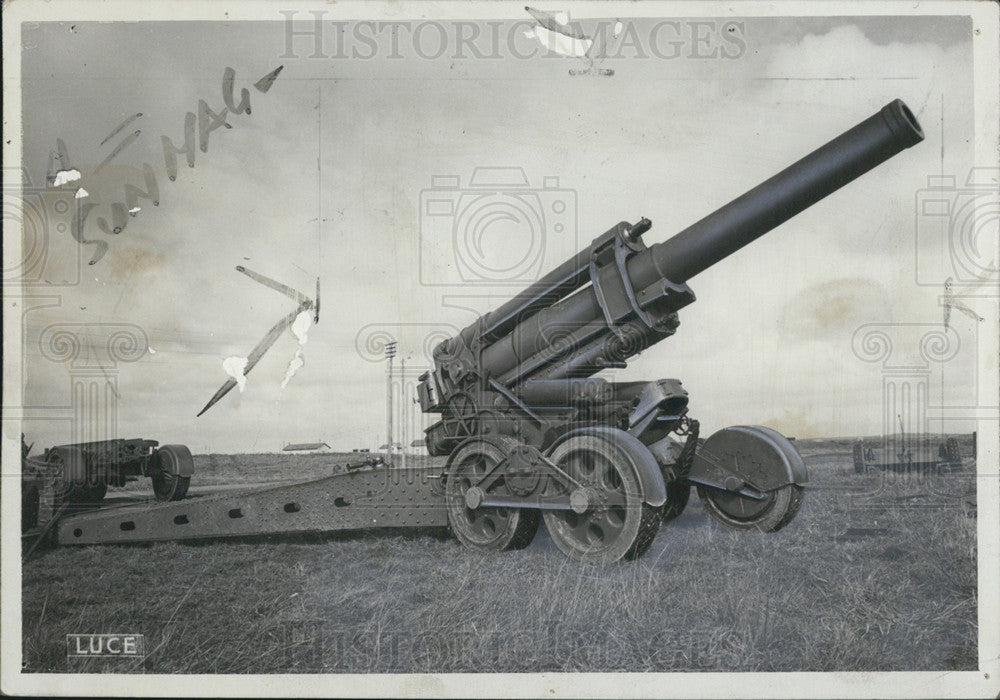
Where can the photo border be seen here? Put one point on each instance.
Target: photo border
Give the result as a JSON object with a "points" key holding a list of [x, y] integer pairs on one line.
{"points": [[984, 682]]}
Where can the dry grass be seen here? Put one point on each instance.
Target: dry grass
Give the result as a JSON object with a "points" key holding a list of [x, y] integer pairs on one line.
{"points": [[898, 594]]}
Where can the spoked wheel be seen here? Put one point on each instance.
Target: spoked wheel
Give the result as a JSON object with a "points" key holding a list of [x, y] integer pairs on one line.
{"points": [[168, 484], [615, 523], [484, 527], [740, 512]]}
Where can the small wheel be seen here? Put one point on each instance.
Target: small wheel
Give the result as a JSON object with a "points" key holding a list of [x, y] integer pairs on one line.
{"points": [[678, 494], [617, 524], [72, 482], [485, 527], [744, 513], [168, 484], [170, 487]]}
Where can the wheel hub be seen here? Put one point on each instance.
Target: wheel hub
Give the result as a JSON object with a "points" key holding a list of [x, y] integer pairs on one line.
{"points": [[473, 497], [733, 483], [580, 500]]}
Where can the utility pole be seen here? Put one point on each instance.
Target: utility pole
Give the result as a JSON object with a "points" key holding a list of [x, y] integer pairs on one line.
{"points": [[390, 352], [404, 413]]}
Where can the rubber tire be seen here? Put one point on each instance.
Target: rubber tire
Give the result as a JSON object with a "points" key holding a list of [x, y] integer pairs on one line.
{"points": [[678, 495], [788, 500], [168, 485], [642, 521]]}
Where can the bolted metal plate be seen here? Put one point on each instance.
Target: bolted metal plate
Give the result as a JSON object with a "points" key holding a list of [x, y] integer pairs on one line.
{"points": [[379, 498]]}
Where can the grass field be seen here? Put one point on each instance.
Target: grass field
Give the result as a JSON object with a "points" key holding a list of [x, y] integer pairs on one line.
{"points": [[877, 572]]}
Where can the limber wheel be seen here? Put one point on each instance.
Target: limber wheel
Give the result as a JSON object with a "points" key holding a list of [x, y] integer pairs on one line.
{"points": [[616, 524], [168, 484], [744, 513], [485, 527]]}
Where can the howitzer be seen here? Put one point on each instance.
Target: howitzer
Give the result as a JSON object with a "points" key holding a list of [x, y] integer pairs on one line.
{"points": [[530, 430]]}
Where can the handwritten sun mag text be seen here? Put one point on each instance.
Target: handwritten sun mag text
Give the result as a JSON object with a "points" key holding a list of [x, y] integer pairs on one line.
{"points": [[204, 122]]}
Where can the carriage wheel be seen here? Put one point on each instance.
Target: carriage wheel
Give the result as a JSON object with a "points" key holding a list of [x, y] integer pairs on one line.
{"points": [[484, 527], [616, 523]]}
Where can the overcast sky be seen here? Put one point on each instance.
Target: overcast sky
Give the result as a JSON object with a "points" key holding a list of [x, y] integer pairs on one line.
{"points": [[325, 179]]}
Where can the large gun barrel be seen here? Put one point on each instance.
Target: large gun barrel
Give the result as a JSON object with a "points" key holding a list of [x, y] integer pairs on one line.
{"points": [[534, 331], [794, 189]]}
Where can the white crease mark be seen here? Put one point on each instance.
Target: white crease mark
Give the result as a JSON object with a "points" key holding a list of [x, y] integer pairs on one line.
{"points": [[300, 326], [554, 33], [293, 366], [300, 329], [234, 367], [560, 43], [66, 176], [134, 210]]}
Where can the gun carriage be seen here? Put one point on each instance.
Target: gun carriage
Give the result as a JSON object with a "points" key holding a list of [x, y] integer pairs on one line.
{"points": [[529, 428], [532, 428]]}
